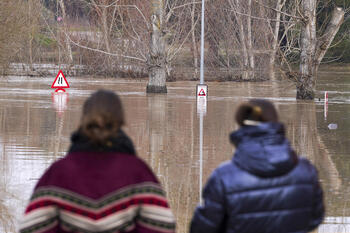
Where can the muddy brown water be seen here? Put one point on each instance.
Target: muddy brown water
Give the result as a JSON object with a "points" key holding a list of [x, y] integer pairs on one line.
{"points": [[36, 124]]}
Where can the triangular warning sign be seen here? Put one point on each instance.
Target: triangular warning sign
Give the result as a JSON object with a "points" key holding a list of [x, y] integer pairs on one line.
{"points": [[60, 81], [201, 92]]}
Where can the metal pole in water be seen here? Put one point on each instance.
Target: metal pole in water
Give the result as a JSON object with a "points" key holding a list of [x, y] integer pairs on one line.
{"points": [[201, 110], [202, 93], [200, 156], [202, 46]]}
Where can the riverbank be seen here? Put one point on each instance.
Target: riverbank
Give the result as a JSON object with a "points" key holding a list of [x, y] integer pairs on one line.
{"points": [[129, 72], [22, 69]]}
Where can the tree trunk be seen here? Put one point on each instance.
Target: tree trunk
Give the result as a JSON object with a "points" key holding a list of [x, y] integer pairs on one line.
{"points": [[65, 28], [325, 41], [244, 61], [194, 46], [105, 29], [251, 66], [279, 6], [244, 52], [31, 36], [106, 36], [306, 80], [157, 56], [313, 50]]}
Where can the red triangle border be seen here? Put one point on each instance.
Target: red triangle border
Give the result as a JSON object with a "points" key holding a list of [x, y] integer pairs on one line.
{"points": [[58, 74]]}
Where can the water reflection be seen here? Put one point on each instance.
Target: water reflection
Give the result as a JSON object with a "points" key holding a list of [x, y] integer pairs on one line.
{"points": [[166, 132], [60, 101], [335, 225]]}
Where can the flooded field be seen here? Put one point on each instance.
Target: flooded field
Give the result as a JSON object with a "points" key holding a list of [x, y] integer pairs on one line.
{"points": [[36, 124]]}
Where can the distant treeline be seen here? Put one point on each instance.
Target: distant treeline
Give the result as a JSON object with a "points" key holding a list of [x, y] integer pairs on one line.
{"points": [[113, 37], [337, 53]]}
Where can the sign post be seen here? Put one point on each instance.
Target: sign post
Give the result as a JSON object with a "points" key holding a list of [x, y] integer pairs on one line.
{"points": [[202, 94]]}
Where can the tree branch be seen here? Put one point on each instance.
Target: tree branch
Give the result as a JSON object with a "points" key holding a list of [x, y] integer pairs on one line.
{"points": [[104, 52], [281, 12], [325, 41]]}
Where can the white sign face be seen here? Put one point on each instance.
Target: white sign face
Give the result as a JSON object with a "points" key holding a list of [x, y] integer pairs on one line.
{"points": [[202, 90], [60, 81], [202, 94], [201, 105]]}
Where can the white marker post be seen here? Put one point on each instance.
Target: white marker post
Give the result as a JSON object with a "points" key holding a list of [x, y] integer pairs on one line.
{"points": [[202, 94]]}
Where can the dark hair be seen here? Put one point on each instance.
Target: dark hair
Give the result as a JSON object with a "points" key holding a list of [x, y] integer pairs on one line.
{"points": [[102, 116], [257, 110]]}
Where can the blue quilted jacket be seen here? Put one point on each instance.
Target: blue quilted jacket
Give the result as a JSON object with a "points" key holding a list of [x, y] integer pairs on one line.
{"points": [[265, 188]]}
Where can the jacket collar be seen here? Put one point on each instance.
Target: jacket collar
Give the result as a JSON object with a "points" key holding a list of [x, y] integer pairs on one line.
{"points": [[119, 143]]}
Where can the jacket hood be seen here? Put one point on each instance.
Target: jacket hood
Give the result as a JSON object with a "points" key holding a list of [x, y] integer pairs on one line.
{"points": [[263, 150]]}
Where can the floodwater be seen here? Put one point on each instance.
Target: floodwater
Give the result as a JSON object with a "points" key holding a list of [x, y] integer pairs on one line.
{"points": [[36, 124]]}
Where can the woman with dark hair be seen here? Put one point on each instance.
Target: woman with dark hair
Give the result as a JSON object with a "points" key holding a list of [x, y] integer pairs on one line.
{"points": [[100, 185], [266, 187]]}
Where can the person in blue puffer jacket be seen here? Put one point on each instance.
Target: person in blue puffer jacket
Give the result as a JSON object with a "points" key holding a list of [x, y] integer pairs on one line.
{"points": [[266, 187]]}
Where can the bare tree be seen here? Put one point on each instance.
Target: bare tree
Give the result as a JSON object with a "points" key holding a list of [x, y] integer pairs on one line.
{"points": [[145, 38], [312, 48], [137, 36], [65, 30], [157, 54], [18, 25], [259, 23], [312, 44], [259, 33], [242, 49]]}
